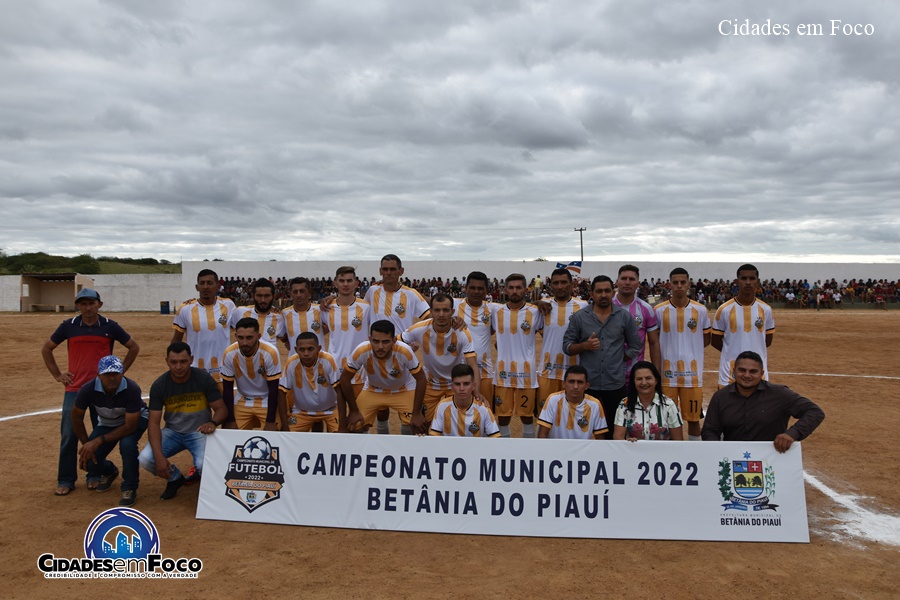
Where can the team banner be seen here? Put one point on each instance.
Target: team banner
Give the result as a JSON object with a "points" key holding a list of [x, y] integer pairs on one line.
{"points": [[729, 491]]}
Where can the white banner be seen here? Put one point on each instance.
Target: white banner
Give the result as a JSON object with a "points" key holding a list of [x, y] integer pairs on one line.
{"points": [[730, 491]]}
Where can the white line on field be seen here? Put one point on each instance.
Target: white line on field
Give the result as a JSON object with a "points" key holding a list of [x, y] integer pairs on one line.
{"points": [[43, 412], [859, 521]]}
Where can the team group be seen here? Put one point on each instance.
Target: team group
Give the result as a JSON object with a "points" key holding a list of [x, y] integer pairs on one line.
{"points": [[591, 365]]}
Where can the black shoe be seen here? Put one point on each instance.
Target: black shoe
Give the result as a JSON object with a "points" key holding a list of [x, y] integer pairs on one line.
{"points": [[172, 488], [106, 481], [129, 497]]}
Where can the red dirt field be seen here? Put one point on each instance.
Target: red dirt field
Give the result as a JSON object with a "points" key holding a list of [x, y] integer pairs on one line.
{"points": [[851, 453]]}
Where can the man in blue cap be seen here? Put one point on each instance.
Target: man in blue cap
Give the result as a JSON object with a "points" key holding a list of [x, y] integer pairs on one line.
{"points": [[122, 417], [89, 337]]}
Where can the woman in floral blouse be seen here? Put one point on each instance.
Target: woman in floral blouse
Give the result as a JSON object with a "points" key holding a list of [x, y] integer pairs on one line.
{"points": [[646, 414]]}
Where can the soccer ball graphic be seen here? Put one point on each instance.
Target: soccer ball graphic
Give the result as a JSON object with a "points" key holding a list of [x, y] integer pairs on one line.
{"points": [[257, 447]]}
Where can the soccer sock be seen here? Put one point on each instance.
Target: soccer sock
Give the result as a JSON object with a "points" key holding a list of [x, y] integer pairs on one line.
{"points": [[527, 430], [694, 438], [383, 427], [504, 431], [404, 429]]}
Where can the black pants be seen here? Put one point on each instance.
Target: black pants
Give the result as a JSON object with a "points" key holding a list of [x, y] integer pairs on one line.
{"points": [[610, 400]]}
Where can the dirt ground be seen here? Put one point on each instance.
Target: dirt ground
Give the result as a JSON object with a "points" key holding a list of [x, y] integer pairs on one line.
{"points": [[850, 453]]}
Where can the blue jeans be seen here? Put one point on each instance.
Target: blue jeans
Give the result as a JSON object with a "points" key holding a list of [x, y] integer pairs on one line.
{"points": [[173, 443], [128, 448], [67, 472]]}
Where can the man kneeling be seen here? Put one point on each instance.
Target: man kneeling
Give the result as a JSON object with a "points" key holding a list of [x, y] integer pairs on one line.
{"points": [[186, 395], [461, 415]]}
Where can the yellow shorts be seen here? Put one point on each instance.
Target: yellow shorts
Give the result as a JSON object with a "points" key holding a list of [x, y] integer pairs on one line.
{"points": [[514, 401], [546, 388], [303, 422], [369, 403], [486, 389], [431, 401], [250, 417], [689, 400]]}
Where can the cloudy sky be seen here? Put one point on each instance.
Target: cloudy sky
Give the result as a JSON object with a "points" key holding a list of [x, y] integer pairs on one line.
{"points": [[472, 129]]}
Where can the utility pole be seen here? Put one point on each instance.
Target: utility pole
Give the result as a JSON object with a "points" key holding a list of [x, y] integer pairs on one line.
{"points": [[580, 231]]}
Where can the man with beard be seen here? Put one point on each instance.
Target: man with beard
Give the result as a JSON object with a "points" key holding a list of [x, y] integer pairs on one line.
{"points": [[559, 310], [255, 366], [302, 316], [393, 379], [205, 323], [516, 325], [643, 314], [603, 336], [754, 410], [271, 322], [442, 348], [476, 313]]}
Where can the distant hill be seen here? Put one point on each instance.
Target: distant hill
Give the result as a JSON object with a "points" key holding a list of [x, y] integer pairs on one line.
{"points": [[41, 262]]}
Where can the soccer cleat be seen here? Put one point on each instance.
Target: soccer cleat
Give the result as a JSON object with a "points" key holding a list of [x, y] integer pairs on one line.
{"points": [[129, 497], [193, 476], [106, 481], [172, 488]]}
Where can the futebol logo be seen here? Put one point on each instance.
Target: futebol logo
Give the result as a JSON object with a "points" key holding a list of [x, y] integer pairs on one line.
{"points": [[254, 475], [120, 543]]}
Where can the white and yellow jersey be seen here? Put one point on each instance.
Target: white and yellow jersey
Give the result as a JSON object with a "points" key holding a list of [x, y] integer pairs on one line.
{"points": [[516, 334], [206, 331], [681, 332], [440, 351], [554, 361], [742, 328], [569, 421], [349, 327], [389, 376], [402, 308], [478, 322], [311, 390], [476, 421], [252, 374], [271, 324], [296, 323]]}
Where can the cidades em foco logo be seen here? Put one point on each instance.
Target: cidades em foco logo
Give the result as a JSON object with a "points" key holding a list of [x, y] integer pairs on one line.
{"points": [[254, 475], [120, 543]]}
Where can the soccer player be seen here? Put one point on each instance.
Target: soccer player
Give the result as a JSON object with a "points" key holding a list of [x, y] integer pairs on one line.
{"points": [[307, 392], [89, 336], [442, 348], [570, 414], [685, 330], [516, 325], [753, 410], [348, 320], [271, 321], [185, 395], [460, 415], [302, 316], [476, 313], [393, 379], [554, 361], [648, 329], [742, 323], [397, 303], [204, 322], [255, 366], [122, 418], [603, 338]]}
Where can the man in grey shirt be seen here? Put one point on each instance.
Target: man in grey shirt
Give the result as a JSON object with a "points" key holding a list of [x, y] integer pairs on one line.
{"points": [[598, 336]]}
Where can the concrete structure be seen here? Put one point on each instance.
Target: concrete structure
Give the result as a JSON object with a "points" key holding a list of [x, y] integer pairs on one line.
{"points": [[52, 291], [119, 292]]}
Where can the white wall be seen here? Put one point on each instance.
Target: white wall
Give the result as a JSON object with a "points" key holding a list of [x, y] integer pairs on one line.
{"points": [[138, 292], [10, 292]]}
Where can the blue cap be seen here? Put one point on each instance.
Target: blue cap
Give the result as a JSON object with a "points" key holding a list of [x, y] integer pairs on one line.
{"points": [[110, 364], [87, 294]]}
